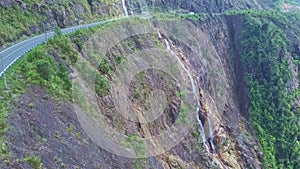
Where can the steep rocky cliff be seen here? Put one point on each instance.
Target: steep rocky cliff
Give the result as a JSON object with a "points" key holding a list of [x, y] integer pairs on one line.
{"points": [[205, 6], [240, 70]]}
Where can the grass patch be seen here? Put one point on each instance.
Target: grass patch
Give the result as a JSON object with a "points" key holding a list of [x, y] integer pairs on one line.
{"points": [[34, 161], [17, 21]]}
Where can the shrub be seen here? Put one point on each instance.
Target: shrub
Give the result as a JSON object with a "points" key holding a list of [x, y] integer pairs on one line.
{"points": [[45, 69], [101, 85], [34, 162]]}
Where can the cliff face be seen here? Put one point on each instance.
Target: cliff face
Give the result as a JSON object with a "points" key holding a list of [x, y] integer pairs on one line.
{"points": [[198, 6], [225, 131], [233, 121], [50, 124]]}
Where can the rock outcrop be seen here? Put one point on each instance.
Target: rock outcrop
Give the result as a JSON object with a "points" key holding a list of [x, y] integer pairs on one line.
{"points": [[200, 6]]}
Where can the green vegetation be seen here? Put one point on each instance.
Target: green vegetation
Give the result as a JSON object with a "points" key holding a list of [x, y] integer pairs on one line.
{"points": [[274, 15], [182, 94], [63, 46], [79, 36], [120, 59], [141, 75], [105, 68], [38, 67], [193, 17], [267, 72], [34, 162], [56, 134], [141, 163], [60, 162], [136, 143], [139, 146], [70, 128], [136, 93], [183, 115], [30, 105], [17, 21], [47, 66], [176, 16], [264, 56], [29, 16], [102, 86], [57, 32]]}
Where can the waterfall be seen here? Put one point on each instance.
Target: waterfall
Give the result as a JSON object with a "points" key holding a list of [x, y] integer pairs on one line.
{"points": [[201, 127], [168, 46], [206, 142], [202, 132], [159, 35], [135, 6], [143, 6], [125, 8], [131, 8]]}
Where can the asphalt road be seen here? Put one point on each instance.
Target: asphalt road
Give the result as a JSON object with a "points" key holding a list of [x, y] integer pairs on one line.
{"points": [[10, 55]]}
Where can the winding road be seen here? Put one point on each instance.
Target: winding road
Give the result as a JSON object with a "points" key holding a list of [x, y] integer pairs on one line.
{"points": [[10, 55]]}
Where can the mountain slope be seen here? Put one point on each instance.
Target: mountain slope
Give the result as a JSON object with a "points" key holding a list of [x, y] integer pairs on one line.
{"points": [[32, 17], [240, 68]]}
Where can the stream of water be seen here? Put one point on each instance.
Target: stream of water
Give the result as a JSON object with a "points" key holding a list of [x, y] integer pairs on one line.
{"points": [[201, 127], [143, 6], [202, 131], [125, 8]]}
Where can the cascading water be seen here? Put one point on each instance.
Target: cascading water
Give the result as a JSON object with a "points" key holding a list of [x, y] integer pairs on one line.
{"points": [[168, 46], [143, 6], [206, 142], [130, 7], [124, 8], [135, 6], [159, 35], [201, 127], [202, 131]]}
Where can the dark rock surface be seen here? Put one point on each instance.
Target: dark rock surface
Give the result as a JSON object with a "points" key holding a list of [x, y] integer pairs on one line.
{"points": [[44, 130], [50, 130], [201, 6]]}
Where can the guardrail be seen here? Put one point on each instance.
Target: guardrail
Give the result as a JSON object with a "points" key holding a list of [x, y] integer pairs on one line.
{"points": [[11, 54]]}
